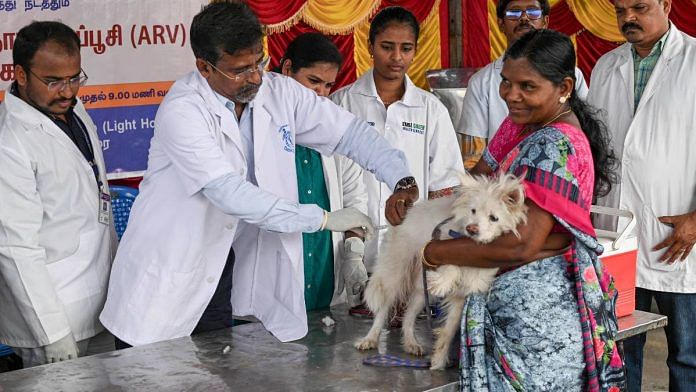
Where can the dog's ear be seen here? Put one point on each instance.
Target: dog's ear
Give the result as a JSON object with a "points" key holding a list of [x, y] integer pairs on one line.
{"points": [[513, 191]]}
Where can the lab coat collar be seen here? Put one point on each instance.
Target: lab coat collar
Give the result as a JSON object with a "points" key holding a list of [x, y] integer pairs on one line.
{"points": [[228, 122], [366, 86], [498, 63], [215, 105], [35, 119], [22, 110], [673, 47], [226, 119]]}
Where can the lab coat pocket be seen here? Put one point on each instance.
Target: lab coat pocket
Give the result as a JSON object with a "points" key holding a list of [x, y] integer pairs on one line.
{"points": [[652, 233], [173, 296], [85, 272]]}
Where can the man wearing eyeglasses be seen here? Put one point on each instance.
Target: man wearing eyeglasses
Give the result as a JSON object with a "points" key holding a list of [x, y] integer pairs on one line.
{"points": [[221, 175], [483, 110], [56, 236]]}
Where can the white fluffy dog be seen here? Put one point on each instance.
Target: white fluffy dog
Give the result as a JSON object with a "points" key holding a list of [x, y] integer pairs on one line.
{"points": [[482, 209]]}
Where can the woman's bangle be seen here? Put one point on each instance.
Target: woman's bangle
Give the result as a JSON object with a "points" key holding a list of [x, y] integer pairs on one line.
{"points": [[423, 259], [323, 221]]}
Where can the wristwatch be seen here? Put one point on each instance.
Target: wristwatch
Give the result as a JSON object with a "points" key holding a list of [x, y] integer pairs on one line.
{"points": [[405, 183]]}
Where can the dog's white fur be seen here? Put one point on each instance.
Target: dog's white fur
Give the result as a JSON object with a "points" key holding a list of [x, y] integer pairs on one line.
{"points": [[482, 209]]}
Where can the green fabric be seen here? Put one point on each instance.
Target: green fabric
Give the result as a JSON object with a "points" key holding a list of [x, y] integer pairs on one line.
{"points": [[318, 248], [643, 68]]}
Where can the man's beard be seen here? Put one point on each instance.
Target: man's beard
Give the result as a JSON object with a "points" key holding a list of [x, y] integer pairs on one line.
{"points": [[50, 109], [247, 93]]}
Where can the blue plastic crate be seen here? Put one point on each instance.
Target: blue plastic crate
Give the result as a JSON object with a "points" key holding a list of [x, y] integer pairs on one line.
{"points": [[122, 198], [5, 350]]}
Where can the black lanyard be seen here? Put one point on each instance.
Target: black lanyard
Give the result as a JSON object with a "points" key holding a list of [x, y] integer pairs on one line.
{"points": [[68, 127], [92, 160]]}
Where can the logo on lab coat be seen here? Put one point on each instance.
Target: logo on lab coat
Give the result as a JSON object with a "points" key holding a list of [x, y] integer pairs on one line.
{"points": [[413, 127], [286, 135]]}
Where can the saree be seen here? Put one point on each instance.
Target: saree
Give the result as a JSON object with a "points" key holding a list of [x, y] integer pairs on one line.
{"points": [[549, 324]]}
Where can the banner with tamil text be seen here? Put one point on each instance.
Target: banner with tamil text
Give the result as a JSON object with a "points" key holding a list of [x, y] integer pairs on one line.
{"points": [[132, 51]]}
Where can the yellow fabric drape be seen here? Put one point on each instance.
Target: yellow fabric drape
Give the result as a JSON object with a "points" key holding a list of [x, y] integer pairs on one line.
{"points": [[338, 17], [361, 55], [429, 48], [554, 2], [496, 37], [427, 55], [598, 17]]}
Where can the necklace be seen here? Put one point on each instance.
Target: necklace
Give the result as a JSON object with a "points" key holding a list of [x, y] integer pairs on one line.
{"points": [[556, 117]]}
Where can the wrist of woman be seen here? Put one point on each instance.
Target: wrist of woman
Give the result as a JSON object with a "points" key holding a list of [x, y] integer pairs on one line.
{"points": [[424, 258]]}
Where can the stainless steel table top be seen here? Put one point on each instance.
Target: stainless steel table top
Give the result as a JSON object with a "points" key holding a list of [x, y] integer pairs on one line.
{"points": [[325, 360], [639, 322]]}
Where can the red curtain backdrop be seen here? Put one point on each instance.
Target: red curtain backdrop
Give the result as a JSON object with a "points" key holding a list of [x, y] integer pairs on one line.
{"points": [[683, 15], [274, 12], [444, 34], [589, 49], [477, 48], [278, 42], [420, 8], [561, 19]]}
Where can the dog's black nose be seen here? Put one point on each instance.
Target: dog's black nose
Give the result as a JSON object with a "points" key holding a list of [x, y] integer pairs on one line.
{"points": [[472, 229]]}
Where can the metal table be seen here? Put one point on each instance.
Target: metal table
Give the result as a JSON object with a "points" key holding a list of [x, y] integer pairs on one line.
{"points": [[639, 322], [325, 360]]}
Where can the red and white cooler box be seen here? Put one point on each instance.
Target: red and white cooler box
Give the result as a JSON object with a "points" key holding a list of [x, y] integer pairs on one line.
{"points": [[619, 258]]}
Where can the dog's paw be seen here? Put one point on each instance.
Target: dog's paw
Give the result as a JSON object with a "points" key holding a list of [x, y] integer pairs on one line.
{"points": [[439, 284], [438, 362], [366, 343], [414, 348]]}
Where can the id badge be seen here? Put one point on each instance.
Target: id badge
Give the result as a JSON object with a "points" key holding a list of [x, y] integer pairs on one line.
{"points": [[104, 208]]}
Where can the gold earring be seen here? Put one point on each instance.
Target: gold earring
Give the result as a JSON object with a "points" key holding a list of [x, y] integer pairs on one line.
{"points": [[564, 99]]}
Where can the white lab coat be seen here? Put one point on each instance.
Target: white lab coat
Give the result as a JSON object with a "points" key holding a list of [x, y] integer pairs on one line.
{"points": [[55, 256], [173, 252], [656, 147], [345, 186], [420, 126], [484, 110]]}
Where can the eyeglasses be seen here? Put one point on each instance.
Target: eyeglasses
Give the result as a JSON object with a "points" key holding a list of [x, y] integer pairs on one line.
{"points": [[245, 73], [56, 86], [532, 14]]}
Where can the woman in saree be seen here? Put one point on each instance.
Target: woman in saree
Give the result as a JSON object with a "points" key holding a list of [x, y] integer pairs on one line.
{"points": [[548, 321]]}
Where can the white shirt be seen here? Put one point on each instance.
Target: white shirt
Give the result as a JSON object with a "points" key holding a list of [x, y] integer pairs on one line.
{"points": [[173, 251], [656, 148], [55, 256], [484, 110], [420, 126]]}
